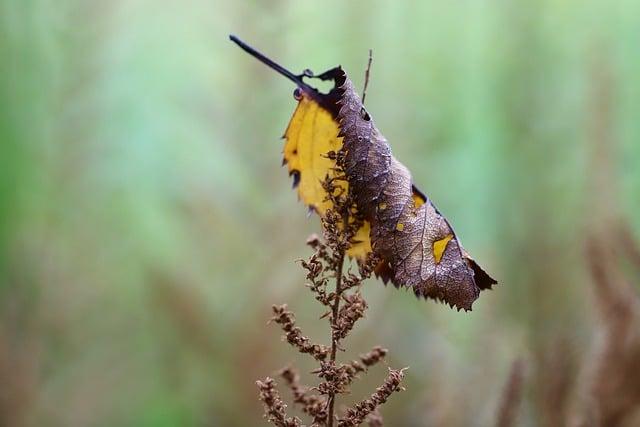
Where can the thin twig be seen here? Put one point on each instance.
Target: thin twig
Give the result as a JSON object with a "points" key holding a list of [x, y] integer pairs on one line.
{"points": [[334, 325], [366, 76], [336, 307]]}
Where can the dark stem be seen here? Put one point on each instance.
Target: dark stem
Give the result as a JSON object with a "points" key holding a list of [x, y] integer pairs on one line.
{"points": [[336, 313], [297, 79]]}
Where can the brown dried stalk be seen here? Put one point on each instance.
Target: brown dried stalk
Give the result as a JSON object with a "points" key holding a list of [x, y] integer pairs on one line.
{"points": [[344, 305], [367, 360], [610, 388], [375, 419], [511, 396], [312, 404], [352, 311], [287, 322], [335, 317], [356, 415], [613, 383], [274, 407]]}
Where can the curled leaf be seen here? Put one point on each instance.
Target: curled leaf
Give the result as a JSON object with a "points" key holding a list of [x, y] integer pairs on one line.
{"points": [[417, 243], [333, 133]]}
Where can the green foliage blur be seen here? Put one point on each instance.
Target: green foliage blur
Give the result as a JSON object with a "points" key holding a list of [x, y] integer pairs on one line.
{"points": [[146, 225]]}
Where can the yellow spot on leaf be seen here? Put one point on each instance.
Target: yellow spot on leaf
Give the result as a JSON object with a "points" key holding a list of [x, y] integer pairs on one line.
{"points": [[361, 243], [400, 226], [382, 206], [417, 200], [439, 246]]}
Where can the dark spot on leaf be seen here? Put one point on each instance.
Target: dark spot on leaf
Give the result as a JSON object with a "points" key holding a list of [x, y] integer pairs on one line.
{"points": [[296, 177]]}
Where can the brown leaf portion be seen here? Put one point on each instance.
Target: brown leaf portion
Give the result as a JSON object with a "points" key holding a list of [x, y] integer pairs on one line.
{"points": [[418, 247]]}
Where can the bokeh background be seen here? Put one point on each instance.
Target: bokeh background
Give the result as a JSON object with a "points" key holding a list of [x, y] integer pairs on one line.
{"points": [[146, 225]]}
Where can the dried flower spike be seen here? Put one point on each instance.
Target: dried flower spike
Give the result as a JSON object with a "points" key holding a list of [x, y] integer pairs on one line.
{"points": [[274, 407]]}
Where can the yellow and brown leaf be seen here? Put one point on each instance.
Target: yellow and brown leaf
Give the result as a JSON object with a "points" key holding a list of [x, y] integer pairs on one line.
{"points": [[418, 247]]}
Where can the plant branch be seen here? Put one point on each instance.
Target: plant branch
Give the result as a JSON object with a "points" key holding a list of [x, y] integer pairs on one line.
{"points": [[334, 324], [324, 268]]}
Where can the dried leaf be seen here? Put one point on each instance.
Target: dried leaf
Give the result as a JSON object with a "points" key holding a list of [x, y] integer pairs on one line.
{"points": [[418, 247], [417, 242]]}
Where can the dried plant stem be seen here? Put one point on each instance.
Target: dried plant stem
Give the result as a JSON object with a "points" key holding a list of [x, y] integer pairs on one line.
{"points": [[334, 325], [511, 396], [324, 268]]}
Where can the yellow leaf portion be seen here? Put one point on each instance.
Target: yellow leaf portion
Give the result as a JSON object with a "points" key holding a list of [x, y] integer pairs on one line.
{"points": [[439, 246], [361, 243], [311, 134]]}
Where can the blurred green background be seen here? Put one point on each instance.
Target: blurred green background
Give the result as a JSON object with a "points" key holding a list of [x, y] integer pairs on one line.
{"points": [[146, 225]]}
